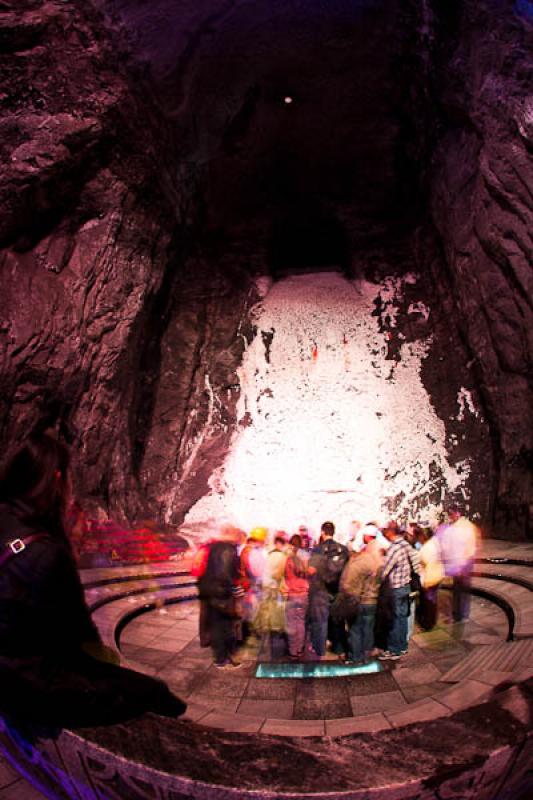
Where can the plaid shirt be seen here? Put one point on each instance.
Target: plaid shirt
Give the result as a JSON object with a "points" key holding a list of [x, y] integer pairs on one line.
{"points": [[399, 559]]}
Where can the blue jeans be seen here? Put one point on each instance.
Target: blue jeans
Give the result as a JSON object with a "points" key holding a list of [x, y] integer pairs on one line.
{"points": [[317, 621], [397, 639], [361, 633], [461, 595], [296, 613]]}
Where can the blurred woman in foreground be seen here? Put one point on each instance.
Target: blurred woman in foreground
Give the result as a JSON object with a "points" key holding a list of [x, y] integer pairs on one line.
{"points": [[47, 674]]}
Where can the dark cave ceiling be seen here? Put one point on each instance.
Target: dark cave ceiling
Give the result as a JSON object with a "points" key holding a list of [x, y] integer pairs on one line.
{"points": [[223, 70]]}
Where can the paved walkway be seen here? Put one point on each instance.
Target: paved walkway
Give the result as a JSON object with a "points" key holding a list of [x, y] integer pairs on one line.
{"points": [[447, 669]]}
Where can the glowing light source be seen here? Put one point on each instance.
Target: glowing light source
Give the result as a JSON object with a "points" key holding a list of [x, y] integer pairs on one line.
{"points": [[287, 100], [322, 669]]}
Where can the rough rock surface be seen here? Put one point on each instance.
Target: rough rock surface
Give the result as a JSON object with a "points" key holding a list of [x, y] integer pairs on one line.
{"points": [[117, 327], [482, 205], [93, 235], [320, 765]]}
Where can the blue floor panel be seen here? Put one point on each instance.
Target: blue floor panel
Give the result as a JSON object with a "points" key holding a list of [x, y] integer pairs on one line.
{"points": [[320, 669]]}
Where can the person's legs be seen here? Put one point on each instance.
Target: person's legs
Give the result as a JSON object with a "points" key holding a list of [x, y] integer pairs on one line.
{"points": [[397, 641], [221, 630], [368, 619], [427, 608], [296, 615], [203, 624], [318, 622], [461, 595], [337, 635], [354, 638], [413, 598]]}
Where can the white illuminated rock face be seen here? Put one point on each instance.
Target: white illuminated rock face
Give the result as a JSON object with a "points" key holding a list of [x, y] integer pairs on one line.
{"points": [[329, 428]]}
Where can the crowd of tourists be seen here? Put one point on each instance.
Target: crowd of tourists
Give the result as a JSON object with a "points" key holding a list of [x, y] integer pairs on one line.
{"points": [[307, 599]]}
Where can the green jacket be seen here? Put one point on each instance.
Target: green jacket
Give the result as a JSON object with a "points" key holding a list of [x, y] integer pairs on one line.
{"points": [[361, 577]]}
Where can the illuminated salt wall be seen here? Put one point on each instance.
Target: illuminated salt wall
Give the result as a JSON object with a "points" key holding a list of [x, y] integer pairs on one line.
{"points": [[329, 427]]}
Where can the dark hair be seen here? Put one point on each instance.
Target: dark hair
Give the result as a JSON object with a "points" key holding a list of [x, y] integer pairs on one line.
{"points": [[37, 474], [328, 528], [296, 541], [300, 567]]}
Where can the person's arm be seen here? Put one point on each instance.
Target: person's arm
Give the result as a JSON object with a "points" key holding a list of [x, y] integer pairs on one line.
{"points": [[391, 558], [414, 558]]}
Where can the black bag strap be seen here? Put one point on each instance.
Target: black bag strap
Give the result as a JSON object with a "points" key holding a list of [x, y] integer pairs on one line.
{"points": [[16, 546]]}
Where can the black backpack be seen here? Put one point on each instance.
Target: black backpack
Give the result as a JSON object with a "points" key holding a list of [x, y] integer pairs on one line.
{"points": [[335, 557]]}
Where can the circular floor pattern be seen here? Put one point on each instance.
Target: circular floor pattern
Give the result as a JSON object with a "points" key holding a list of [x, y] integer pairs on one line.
{"points": [[428, 683]]}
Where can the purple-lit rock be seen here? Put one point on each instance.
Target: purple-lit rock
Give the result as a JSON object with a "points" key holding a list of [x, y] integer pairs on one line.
{"points": [[153, 171]]}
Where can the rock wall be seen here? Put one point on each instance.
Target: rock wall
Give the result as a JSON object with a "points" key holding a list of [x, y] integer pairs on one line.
{"points": [[482, 206], [196, 384], [87, 233], [117, 328]]}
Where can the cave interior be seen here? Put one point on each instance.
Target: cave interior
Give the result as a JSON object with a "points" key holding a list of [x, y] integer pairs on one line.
{"points": [[177, 176]]}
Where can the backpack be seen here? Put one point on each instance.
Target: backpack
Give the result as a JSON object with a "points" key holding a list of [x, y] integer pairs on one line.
{"points": [[335, 557]]}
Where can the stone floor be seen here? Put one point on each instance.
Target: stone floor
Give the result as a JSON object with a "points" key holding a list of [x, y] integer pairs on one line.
{"points": [[451, 668], [167, 645]]}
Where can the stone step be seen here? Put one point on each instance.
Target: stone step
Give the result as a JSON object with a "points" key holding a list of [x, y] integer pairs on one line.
{"points": [[505, 657]]}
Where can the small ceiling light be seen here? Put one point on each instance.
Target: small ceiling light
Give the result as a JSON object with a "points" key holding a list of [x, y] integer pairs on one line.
{"points": [[287, 100]]}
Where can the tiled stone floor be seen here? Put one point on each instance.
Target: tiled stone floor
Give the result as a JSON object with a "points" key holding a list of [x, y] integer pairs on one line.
{"points": [[159, 643], [448, 669], [164, 642]]}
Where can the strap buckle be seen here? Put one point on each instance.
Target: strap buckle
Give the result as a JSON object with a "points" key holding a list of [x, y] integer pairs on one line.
{"points": [[16, 546]]}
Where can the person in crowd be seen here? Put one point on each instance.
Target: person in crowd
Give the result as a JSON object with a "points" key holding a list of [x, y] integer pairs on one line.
{"points": [[296, 589], [431, 575], [354, 541], [328, 560], [305, 536], [275, 560], [270, 620], [360, 579], [252, 569], [414, 535], [400, 561], [458, 545], [197, 569], [219, 590], [54, 668]]}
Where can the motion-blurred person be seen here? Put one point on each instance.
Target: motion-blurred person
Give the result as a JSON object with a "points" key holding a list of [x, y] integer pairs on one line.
{"points": [[275, 559], [458, 545], [296, 589], [431, 575], [198, 567], [361, 579], [54, 668], [400, 560], [305, 536], [354, 540], [270, 619], [219, 590], [252, 570]]}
